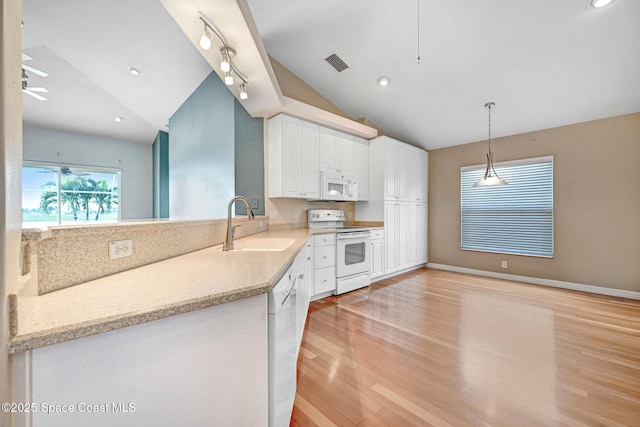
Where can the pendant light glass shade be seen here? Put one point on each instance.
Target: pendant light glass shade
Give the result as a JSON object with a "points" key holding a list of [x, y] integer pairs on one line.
{"points": [[490, 175]]}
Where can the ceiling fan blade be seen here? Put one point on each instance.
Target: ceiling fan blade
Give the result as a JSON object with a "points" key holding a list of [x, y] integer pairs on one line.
{"points": [[26, 57], [35, 71], [35, 95], [37, 89]]}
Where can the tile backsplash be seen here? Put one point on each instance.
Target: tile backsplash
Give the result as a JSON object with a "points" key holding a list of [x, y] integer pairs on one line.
{"points": [[69, 255]]}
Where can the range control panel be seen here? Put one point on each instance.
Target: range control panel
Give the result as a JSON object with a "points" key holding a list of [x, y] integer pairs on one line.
{"points": [[324, 215]]}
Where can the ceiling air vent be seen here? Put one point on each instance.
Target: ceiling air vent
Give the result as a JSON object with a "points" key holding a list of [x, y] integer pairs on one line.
{"points": [[336, 62]]}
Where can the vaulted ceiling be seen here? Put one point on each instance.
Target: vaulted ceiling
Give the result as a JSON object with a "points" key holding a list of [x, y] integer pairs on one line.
{"points": [[544, 63]]}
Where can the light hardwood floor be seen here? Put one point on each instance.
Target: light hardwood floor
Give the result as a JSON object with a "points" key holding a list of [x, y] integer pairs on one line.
{"points": [[446, 349]]}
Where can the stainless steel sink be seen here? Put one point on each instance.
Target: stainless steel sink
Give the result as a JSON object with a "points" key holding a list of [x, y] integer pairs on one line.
{"points": [[262, 244]]}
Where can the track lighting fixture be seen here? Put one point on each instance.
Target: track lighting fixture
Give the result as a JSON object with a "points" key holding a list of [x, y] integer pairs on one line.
{"points": [[227, 54]]}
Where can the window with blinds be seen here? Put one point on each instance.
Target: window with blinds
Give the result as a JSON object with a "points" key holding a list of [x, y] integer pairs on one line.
{"points": [[511, 219]]}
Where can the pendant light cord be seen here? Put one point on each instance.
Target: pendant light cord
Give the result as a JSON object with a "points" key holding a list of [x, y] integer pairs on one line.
{"points": [[489, 106], [418, 19]]}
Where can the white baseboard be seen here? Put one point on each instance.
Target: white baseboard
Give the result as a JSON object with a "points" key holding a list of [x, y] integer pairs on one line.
{"points": [[396, 273], [545, 282]]}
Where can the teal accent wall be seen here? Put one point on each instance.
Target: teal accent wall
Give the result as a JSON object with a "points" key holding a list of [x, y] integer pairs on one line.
{"points": [[215, 152], [201, 153], [161, 175], [249, 159]]}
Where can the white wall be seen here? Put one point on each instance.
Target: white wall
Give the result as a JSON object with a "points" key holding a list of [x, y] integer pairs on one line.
{"points": [[10, 176], [134, 159]]}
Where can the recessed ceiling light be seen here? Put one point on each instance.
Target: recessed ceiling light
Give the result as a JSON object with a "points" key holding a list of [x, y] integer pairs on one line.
{"points": [[383, 81], [118, 119], [597, 4], [134, 71]]}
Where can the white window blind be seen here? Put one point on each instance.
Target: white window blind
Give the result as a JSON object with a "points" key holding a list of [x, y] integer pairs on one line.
{"points": [[512, 219]]}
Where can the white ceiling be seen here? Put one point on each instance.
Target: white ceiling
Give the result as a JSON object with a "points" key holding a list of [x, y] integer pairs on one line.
{"points": [[86, 46], [545, 63]]}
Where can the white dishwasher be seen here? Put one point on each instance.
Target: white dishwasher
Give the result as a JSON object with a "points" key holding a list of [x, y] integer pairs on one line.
{"points": [[282, 349]]}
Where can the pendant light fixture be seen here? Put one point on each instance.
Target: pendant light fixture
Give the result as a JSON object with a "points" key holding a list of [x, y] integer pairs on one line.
{"points": [[490, 179]]}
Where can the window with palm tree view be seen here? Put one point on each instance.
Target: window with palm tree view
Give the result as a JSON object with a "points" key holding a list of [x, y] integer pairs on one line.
{"points": [[56, 194]]}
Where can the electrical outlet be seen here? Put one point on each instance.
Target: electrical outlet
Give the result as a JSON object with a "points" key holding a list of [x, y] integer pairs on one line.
{"points": [[120, 249], [254, 203], [261, 224], [350, 215], [504, 264], [294, 215]]}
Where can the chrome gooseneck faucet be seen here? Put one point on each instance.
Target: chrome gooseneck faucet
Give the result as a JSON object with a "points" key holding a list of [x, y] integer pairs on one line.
{"points": [[228, 243]]}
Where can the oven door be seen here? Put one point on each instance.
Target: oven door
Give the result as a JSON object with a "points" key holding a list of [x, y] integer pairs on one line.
{"points": [[352, 253]]}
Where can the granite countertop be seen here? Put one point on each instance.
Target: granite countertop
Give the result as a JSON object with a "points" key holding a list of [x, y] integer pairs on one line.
{"points": [[185, 283]]}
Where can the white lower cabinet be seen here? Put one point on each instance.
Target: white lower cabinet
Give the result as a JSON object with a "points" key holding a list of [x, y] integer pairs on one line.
{"points": [[288, 307], [303, 267], [397, 231], [324, 264], [405, 235], [325, 280], [417, 241], [191, 369], [377, 252]]}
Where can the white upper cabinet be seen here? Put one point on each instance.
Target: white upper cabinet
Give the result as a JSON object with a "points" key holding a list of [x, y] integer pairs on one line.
{"points": [[418, 171], [299, 150], [398, 158], [293, 158], [337, 152], [362, 168]]}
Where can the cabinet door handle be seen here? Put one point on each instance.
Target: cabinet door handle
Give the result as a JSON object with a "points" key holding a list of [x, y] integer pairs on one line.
{"points": [[291, 292]]}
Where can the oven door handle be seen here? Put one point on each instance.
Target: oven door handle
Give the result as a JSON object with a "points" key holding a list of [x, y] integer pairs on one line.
{"points": [[357, 235]]}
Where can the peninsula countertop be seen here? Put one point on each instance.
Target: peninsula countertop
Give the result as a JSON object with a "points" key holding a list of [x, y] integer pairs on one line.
{"points": [[178, 285]]}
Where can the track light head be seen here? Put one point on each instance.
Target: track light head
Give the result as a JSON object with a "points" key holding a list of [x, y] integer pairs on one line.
{"points": [[206, 39], [226, 53], [243, 91], [228, 78]]}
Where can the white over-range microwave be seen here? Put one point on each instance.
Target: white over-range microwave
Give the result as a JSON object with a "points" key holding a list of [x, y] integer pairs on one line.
{"points": [[338, 187]]}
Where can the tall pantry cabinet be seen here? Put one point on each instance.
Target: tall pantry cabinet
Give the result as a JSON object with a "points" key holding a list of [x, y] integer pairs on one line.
{"points": [[398, 177]]}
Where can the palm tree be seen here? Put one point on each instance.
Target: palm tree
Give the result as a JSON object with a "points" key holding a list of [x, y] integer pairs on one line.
{"points": [[103, 197], [79, 193], [86, 189], [48, 197]]}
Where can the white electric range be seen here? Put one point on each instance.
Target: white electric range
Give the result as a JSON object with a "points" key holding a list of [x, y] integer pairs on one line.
{"points": [[353, 249]]}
